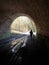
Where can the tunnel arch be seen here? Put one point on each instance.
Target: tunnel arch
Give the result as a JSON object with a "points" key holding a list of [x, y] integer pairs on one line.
{"points": [[21, 15], [8, 23]]}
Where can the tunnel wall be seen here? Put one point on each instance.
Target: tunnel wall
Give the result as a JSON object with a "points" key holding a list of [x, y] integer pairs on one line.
{"points": [[36, 9]]}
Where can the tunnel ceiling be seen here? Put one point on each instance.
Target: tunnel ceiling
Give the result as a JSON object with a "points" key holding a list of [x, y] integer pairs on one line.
{"points": [[37, 9]]}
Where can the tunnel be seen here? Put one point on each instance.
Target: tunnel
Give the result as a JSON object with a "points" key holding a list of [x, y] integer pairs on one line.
{"points": [[24, 32]]}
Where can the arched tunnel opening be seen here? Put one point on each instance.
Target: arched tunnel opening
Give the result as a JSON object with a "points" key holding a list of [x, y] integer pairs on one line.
{"points": [[19, 24], [23, 25]]}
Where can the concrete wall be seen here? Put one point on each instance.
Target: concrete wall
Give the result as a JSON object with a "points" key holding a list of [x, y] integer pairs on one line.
{"points": [[37, 9]]}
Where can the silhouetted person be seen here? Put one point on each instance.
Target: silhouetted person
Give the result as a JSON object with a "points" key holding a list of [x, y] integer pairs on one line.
{"points": [[31, 33]]}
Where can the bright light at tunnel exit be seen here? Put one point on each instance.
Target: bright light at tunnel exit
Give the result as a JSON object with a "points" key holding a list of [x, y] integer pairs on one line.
{"points": [[35, 33], [23, 25]]}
